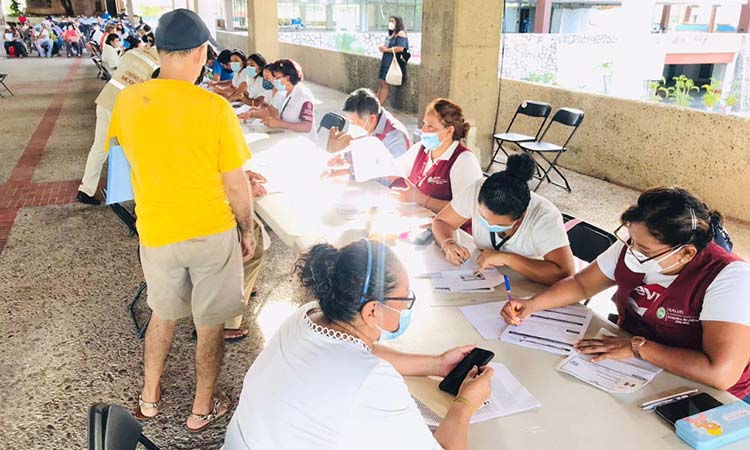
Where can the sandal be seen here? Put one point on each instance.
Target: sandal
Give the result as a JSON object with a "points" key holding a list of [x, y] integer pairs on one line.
{"points": [[221, 405], [245, 333], [144, 404]]}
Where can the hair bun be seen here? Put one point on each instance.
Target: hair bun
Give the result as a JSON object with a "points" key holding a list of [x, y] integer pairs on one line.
{"points": [[316, 270], [521, 166]]}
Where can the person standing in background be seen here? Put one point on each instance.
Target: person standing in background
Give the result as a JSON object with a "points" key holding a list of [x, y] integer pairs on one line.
{"points": [[397, 43]]}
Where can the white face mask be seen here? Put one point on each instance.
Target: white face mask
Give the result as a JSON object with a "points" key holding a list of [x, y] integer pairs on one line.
{"points": [[391, 26], [650, 267]]}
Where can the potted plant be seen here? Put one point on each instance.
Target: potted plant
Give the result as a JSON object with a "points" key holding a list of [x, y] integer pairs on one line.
{"points": [[680, 92], [712, 96]]}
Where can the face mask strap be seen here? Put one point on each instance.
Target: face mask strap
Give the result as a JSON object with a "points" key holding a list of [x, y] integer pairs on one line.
{"points": [[368, 273]]}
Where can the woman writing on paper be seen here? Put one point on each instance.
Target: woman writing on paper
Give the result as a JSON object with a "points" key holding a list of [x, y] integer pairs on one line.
{"points": [[271, 101], [511, 225], [324, 381], [683, 297], [440, 166]]}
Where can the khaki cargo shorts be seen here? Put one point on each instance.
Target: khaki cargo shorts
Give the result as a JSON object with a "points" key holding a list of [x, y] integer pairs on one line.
{"points": [[202, 277]]}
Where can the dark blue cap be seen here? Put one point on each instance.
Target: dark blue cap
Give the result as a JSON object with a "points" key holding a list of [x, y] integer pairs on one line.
{"points": [[182, 29]]}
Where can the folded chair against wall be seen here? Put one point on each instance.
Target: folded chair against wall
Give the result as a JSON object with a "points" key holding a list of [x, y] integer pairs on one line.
{"points": [[3, 76], [529, 108], [113, 428], [587, 241], [565, 117]]}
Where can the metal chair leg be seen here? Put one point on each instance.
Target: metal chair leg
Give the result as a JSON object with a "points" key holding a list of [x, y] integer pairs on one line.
{"points": [[553, 166], [141, 329], [6, 88]]}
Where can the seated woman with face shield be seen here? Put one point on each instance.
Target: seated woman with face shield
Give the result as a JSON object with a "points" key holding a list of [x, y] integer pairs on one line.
{"points": [[324, 382], [683, 297], [511, 225]]}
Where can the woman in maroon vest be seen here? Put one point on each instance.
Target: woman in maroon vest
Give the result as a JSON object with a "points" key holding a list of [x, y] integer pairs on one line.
{"points": [[440, 166], [682, 297]]}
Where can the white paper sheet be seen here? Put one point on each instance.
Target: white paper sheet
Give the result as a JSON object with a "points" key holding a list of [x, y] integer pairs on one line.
{"points": [[371, 159], [486, 319], [615, 376], [466, 280], [508, 397], [240, 108], [554, 330]]}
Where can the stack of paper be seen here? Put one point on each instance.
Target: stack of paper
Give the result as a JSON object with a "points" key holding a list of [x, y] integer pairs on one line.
{"points": [[466, 280], [371, 159], [615, 376], [486, 318], [554, 330], [508, 397]]}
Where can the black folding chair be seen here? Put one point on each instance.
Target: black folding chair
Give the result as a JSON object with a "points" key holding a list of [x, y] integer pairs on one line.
{"points": [[3, 76], [587, 241], [530, 108], [567, 117], [113, 428], [331, 120]]}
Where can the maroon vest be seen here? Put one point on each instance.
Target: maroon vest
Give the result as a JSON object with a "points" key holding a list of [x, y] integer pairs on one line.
{"points": [[390, 126], [437, 181], [673, 318]]}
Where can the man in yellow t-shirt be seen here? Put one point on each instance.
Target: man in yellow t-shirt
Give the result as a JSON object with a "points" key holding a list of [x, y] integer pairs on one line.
{"points": [[186, 150]]}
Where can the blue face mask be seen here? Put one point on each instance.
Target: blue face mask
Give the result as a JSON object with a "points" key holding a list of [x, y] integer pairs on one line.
{"points": [[235, 66], [404, 315], [267, 85], [403, 323], [279, 85], [431, 141], [495, 228]]}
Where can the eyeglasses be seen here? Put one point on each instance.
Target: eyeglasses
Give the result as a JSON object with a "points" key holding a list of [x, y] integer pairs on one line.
{"points": [[629, 245], [411, 299]]}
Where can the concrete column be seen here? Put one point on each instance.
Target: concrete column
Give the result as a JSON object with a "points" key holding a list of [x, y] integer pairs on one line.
{"points": [[363, 16], [688, 13], [460, 60], [712, 20], [263, 28], [329, 16], [543, 16], [744, 25], [633, 33], [666, 13], [228, 15]]}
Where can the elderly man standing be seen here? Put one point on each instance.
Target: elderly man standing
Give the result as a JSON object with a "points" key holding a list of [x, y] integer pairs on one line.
{"points": [[194, 207]]}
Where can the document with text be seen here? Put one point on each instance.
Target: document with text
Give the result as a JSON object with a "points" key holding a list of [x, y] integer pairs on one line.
{"points": [[553, 330]]}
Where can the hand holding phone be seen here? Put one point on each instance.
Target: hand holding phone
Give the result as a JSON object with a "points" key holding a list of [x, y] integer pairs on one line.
{"points": [[476, 358]]}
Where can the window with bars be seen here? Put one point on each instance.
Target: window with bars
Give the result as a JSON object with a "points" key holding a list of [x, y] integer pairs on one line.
{"points": [[239, 14]]}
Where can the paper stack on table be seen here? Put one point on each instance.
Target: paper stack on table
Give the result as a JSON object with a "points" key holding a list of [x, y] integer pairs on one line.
{"points": [[615, 376], [466, 280], [371, 160], [486, 319], [553, 330], [508, 397]]}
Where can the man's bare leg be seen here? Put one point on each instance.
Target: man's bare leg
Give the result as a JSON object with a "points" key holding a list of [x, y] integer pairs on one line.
{"points": [[159, 337], [209, 355]]}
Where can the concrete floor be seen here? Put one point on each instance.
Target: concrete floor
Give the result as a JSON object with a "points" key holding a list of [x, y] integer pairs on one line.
{"points": [[68, 271]]}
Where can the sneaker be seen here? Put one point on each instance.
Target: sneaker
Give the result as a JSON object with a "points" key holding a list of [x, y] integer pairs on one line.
{"points": [[83, 197]]}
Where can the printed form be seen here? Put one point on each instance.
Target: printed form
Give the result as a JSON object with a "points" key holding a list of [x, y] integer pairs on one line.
{"points": [[553, 330]]}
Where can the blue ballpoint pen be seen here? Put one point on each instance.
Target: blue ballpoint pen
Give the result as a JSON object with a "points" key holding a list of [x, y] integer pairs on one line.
{"points": [[507, 287]]}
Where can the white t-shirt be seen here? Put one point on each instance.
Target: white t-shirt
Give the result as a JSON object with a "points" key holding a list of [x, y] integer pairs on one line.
{"points": [[291, 108], [464, 173], [277, 99], [726, 298], [308, 391], [255, 88], [541, 230], [239, 77]]}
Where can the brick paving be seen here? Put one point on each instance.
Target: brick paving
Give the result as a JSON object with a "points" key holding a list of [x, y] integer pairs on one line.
{"points": [[19, 191]]}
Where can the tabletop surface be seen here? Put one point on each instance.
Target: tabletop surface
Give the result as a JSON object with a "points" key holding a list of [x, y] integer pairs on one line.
{"points": [[573, 415]]}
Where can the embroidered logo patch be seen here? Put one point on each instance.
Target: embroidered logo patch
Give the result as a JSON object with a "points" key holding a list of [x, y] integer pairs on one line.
{"points": [[661, 313]]}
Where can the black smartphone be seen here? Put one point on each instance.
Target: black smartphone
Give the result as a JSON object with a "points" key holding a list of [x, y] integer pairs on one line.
{"points": [[672, 412], [477, 357]]}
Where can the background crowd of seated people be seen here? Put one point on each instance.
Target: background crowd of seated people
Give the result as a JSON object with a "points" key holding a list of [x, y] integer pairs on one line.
{"points": [[69, 35]]}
